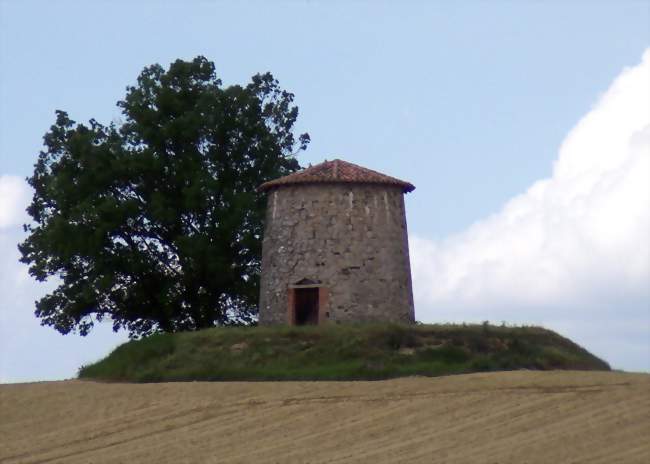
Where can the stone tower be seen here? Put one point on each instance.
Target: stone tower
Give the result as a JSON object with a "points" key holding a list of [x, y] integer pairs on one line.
{"points": [[335, 248]]}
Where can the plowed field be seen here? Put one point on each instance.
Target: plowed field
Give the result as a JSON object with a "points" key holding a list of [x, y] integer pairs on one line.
{"points": [[511, 417]]}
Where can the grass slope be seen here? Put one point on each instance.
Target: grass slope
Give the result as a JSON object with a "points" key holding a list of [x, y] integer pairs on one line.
{"points": [[339, 352]]}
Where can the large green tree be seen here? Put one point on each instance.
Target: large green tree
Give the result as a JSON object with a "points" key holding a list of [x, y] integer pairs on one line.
{"points": [[155, 222]]}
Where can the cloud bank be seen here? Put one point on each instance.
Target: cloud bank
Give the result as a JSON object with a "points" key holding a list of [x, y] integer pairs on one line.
{"points": [[14, 196], [572, 252]]}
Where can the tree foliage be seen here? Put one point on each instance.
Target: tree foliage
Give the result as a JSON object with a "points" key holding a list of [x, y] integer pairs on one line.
{"points": [[155, 221]]}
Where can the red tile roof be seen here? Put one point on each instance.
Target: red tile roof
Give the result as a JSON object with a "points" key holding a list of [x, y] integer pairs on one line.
{"points": [[339, 172]]}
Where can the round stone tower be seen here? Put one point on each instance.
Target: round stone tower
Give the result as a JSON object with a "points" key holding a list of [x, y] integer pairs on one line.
{"points": [[335, 248]]}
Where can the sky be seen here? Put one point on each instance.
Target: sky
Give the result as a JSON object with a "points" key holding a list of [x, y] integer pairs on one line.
{"points": [[524, 126]]}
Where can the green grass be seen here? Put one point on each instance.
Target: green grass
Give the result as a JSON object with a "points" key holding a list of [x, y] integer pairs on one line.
{"points": [[338, 352]]}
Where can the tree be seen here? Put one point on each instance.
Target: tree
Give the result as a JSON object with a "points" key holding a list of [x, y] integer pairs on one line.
{"points": [[155, 221]]}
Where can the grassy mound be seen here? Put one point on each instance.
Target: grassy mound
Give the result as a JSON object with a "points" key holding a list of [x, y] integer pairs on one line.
{"points": [[341, 352]]}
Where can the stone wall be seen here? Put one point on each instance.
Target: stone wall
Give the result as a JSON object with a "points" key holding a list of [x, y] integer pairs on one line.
{"points": [[351, 238]]}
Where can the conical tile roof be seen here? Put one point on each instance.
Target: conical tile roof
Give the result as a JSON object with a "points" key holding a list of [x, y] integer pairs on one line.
{"points": [[339, 172]]}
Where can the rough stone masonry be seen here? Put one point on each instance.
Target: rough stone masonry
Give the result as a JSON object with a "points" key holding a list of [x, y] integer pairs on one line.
{"points": [[335, 248]]}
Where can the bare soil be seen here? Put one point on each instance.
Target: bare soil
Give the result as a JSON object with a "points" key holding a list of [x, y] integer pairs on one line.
{"points": [[507, 417]]}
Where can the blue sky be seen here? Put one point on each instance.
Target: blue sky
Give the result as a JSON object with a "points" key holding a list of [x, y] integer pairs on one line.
{"points": [[470, 101]]}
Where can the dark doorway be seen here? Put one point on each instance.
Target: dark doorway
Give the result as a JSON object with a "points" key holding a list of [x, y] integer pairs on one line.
{"points": [[306, 306]]}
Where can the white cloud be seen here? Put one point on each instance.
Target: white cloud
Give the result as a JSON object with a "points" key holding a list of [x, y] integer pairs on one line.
{"points": [[14, 196], [571, 251]]}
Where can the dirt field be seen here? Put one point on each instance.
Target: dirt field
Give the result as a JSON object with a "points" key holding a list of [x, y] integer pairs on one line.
{"points": [[515, 417]]}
